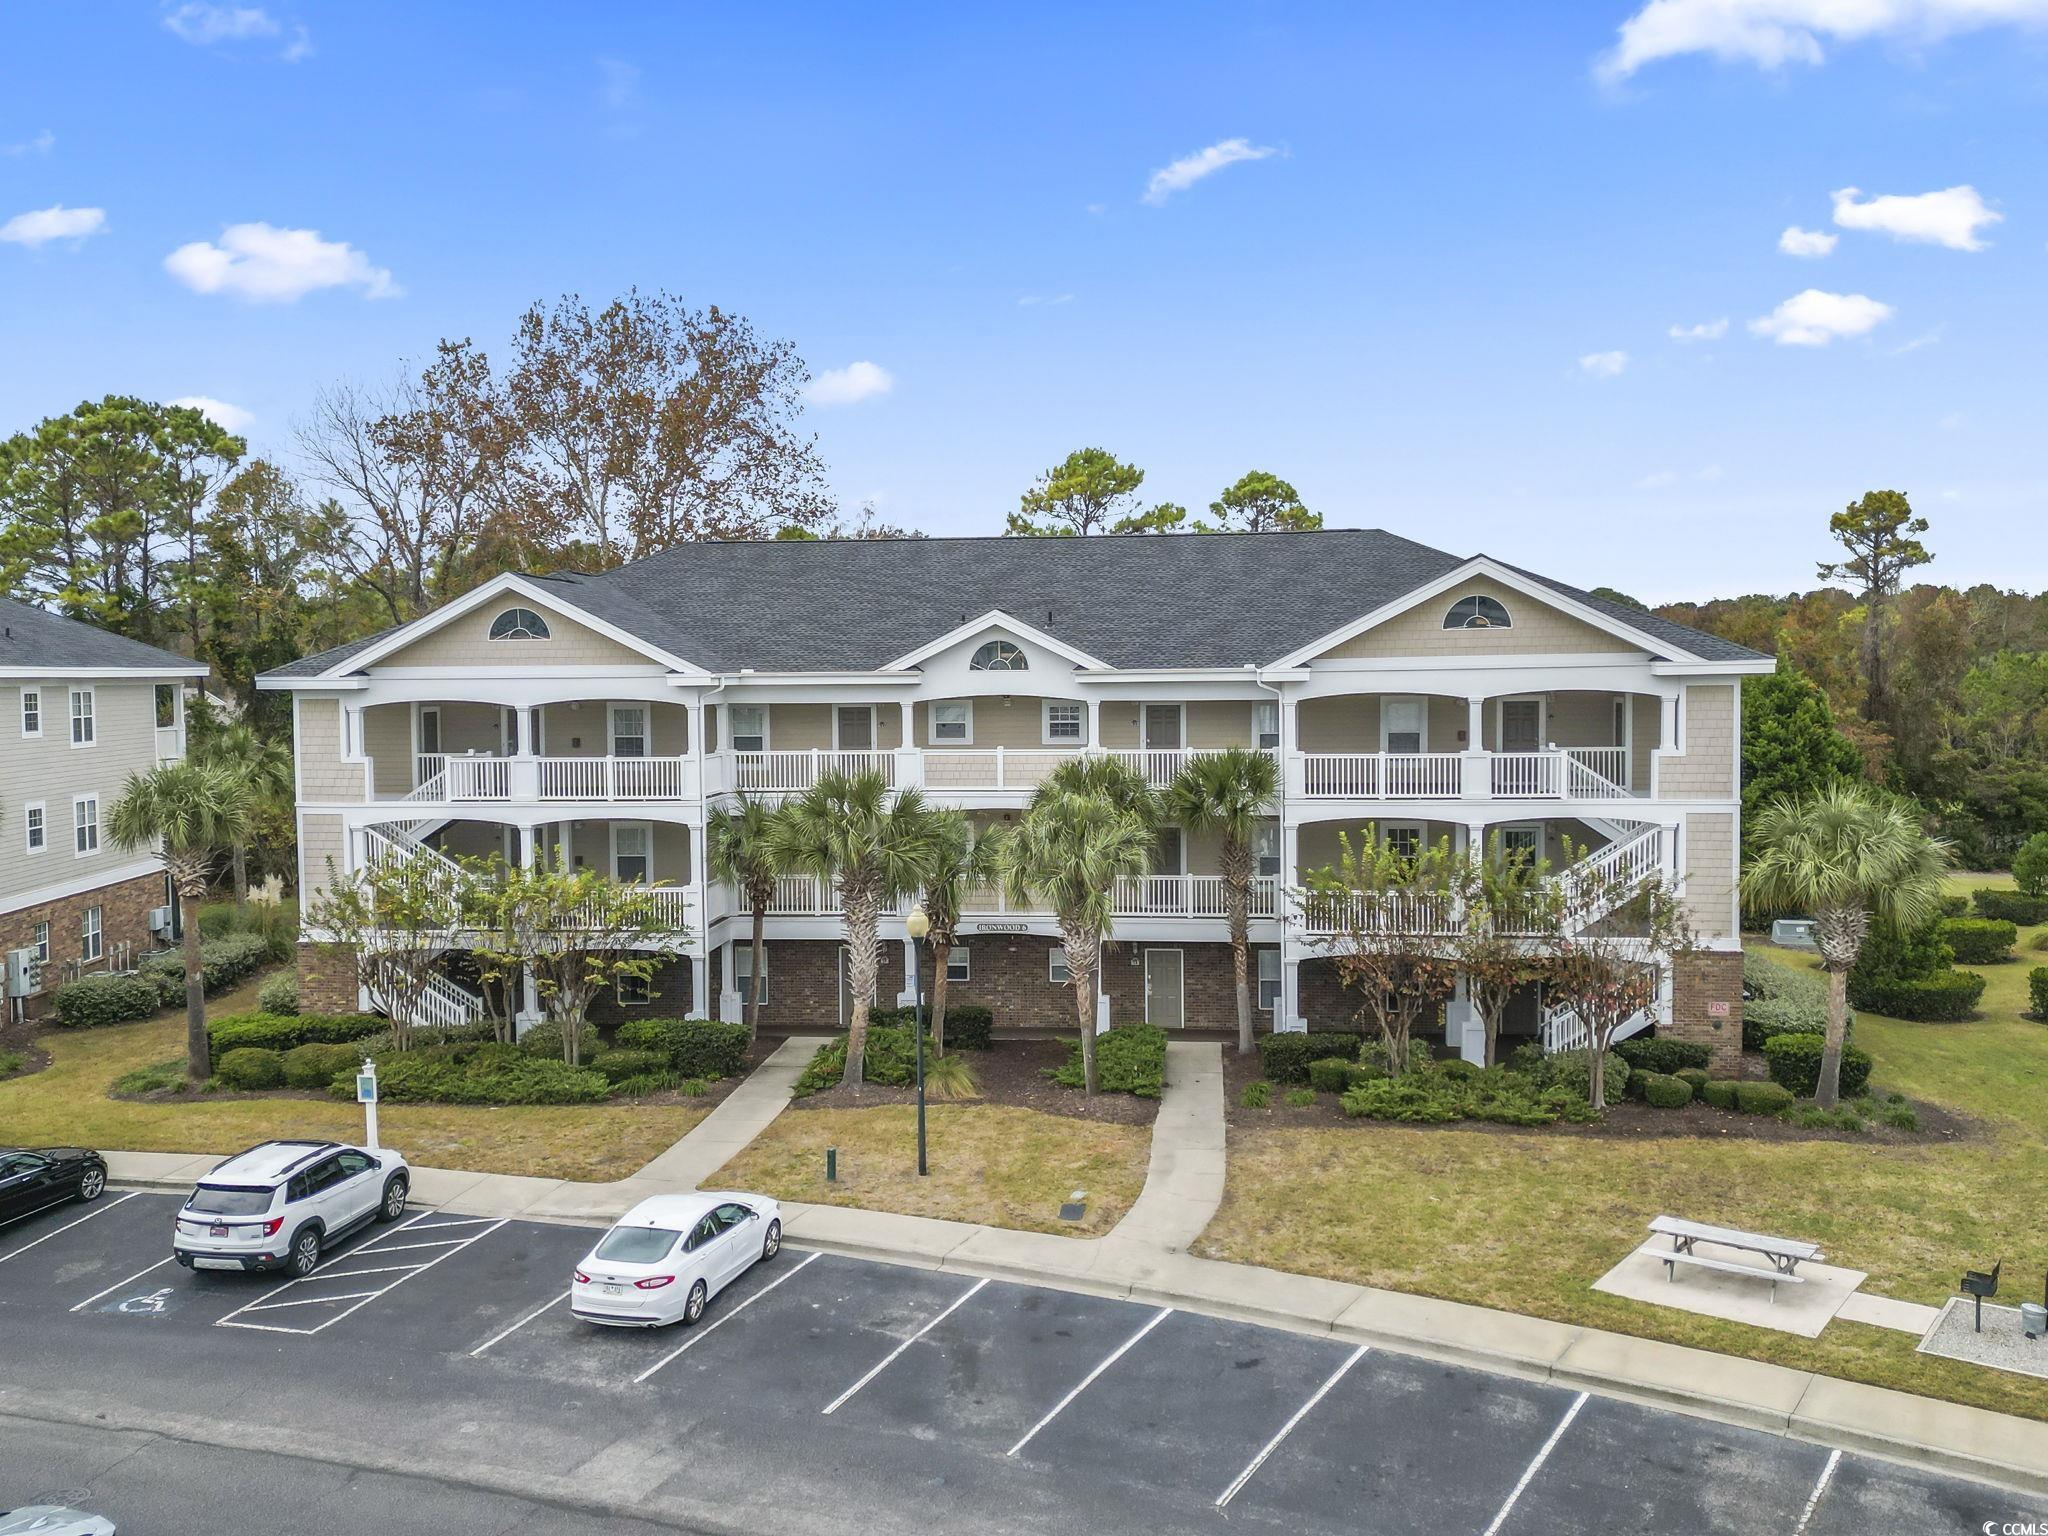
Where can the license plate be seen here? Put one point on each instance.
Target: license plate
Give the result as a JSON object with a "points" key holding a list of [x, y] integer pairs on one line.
{"points": [[216, 1264], [217, 1230], [613, 1290]]}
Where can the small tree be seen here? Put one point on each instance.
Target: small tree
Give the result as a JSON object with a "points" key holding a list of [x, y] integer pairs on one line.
{"points": [[743, 851], [1089, 491], [1227, 793], [497, 928], [266, 767], [188, 812], [392, 920], [1508, 913], [1260, 503], [587, 932], [1393, 921], [961, 862], [2030, 867], [1881, 537]]}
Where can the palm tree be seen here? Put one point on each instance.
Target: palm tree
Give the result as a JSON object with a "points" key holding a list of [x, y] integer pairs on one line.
{"points": [[189, 811], [266, 766], [1846, 854], [1227, 793], [1110, 777], [846, 829], [1069, 851], [960, 862], [742, 848]]}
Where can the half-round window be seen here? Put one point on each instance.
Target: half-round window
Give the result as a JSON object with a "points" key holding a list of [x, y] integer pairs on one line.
{"points": [[519, 624], [1477, 612], [998, 656]]}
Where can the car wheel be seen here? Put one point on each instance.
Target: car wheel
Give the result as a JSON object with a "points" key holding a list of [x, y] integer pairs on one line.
{"points": [[93, 1185], [305, 1252], [394, 1200], [694, 1307], [772, 1243]]}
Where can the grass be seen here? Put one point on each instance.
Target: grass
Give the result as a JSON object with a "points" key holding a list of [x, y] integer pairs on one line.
{"points": [[67, 1102], [1528, 1222], [989, 1163]]}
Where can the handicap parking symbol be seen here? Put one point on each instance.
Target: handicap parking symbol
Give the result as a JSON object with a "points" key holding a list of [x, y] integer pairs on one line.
{"points": [[150, 1305]]}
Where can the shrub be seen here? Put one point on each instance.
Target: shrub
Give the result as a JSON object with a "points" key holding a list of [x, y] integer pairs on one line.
{"points": [[693, 1047], [1979, 940], [1130, 1058], [1952, 904], [1285, 1058], [223, 962], [2030, 867], [1436, 1097], [315, 1065], [1794, 1060], [1459, 1069], [1765, 1018], [484, 1075], [970, 1027], [951, 1077], [280, 1032], [1653, 1053], [888, 1062], [1571, 1070], [1301, 1098], [1720, 1092], [1414, 1100], [250, 1067], [1898, 1114], [12, 1062], [1762, 1098], [2012, 906], [2037, 991], [618, 1066], [1944, 999], [1663, 1091], [545, 1039], [1256, 1095], [92, 1001], [155, 1078], [1697, 1076], [280, 994], [1333, 1074]]}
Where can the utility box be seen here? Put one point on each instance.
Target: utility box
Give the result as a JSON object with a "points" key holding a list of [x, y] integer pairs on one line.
{"points": [[159, 919], [24, 973], [1793, 933]]}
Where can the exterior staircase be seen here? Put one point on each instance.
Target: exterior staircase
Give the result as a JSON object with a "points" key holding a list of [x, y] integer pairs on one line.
{"points": [[1625, 865], [447, 1004]]}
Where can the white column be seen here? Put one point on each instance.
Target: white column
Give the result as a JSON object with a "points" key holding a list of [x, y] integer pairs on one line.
{"points": [[1477, 773], [729, 1006], [1094, 722], [568, 841], [905, 998], [528, 846], [905, 718], [529, 719], [700, 987], [1290, 1020], [1475, 838], [1475, 724], [1668, 724]]}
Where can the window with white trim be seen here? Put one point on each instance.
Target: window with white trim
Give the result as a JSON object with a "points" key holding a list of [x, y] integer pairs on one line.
{"points": [[1266, 847], [1064, 723], [90, 937], [953, 722], [519, 624], [85, 824], [1266, 724], [84, 730], [166, 705], [629, 730], [1057, 972], [743, 974], [41, 943], [1403, 837], [957, 968], [998, 656], [31, 712], [1269, 979], [1478, 612], [632, 851], [749, 727], [38, 826], [634, 991], [1524, 843]]}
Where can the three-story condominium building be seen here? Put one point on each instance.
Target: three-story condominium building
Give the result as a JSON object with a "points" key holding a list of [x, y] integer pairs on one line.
{"points": [[80, 710], [596, 719]]}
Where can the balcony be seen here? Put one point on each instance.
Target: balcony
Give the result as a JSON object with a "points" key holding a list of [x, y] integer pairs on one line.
{"points": [[475, 778], [1194, 896], [1558, 773], [941, 770]]}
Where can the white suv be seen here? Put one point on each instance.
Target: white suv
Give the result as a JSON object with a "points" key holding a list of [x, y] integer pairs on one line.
{"points": [[277, 1205]]}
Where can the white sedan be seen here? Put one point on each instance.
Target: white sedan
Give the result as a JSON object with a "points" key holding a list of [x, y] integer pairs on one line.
{"points": [[670, 1255]]}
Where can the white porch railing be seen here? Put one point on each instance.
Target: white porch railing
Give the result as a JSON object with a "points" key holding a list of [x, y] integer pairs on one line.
{"points": [[1383, 775], [447, 777], [793, 772], [1588, 773], [1563, 1030], [808, 896]]}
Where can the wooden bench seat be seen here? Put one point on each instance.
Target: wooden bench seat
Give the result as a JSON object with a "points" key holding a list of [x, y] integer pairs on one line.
{"points": [[1776, 1277]]}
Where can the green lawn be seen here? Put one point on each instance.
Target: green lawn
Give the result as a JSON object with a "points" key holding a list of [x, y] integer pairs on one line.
{"points": [[1528, 1221]]}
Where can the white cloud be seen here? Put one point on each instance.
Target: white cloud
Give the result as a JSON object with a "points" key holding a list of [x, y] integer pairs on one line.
{"points": [[1031, 300], [41, 144], [300, 47], [1813, 318], [1917, 343], [1706, 330], [264, 264], [1807, 242], [1774, 33], [46, 224], [854, 382], [1658, 481], [200, 23], [1189, 169], [1603, 365], [1950, 217], [231, 418]]}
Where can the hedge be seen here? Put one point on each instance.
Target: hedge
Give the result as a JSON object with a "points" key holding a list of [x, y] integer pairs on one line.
{"points": [[1130, 1058], [1663, 1091], [1947, 998], [280, 1032], [1697, 1076], [693, 1047], [250, 1066], [490, 1074], [546, 1040], [1651, 1053], [1979, 940], [92, 1001], [222, 963], [1333, 1074], [1762, 1098], [1285, 1058], [280, 994], [1720, 1092], [618, 1066], [2037, 991], [970, 1027], [317, 1065], [1572, 1070], [2011, 906], [1794, 1060], [1782, 1000], [1434, 1096]]}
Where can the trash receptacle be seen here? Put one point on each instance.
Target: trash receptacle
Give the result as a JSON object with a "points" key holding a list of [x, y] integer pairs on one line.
{"points": [[2033, 1319]]}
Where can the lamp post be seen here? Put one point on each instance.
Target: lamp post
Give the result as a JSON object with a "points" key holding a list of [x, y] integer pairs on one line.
{"points": [[918, 925]]}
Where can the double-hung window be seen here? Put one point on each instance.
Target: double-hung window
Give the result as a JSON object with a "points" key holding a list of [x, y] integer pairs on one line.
{"points": [[31, 712], [42, 943], [629, 730], [1064, 723], [635, 991], [1266, 724], [632, 851], [90, 938], [957, 968], [743, 975], [85, 825], [1269, 979], [1058, 973], [38, 821], [953, 722], [84, 730], [749, 727], [1266, 845]]}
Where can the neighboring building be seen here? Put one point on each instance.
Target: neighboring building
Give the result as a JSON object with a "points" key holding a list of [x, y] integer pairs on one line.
{"points": [[1429, 695], [83, 709]]}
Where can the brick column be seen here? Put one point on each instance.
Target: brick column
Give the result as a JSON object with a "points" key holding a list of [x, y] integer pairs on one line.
{"points": [[327, 980], [1706, 1006]]}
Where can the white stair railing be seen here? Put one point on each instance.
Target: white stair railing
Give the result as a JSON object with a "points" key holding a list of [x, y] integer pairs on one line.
{"points": [[1563, 1030]]}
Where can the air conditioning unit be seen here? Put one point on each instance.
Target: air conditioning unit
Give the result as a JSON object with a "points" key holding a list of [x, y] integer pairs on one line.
{"points": [[159, 919], [24, 973]]}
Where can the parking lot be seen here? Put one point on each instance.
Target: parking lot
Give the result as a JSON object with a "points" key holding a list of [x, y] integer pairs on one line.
{"points": [[880, 1388]]}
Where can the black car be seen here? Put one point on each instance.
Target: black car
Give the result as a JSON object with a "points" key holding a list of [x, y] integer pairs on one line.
{"points": [[34, 1178]]}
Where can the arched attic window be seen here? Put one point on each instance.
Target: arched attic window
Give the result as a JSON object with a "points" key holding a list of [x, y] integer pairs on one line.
{"points": [[1476, 612], [519, 624], [998, 656]]}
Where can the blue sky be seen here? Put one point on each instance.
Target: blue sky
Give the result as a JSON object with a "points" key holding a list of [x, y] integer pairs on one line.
{"points": [[1436, 290]]}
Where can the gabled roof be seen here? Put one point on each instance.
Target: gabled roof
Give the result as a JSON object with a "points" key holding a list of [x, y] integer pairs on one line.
{"points": [[1133, 601], [34, 639]]}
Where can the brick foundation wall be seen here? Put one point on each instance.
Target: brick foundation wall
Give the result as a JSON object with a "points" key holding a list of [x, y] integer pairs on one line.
{"points": [[669, 997], [1704, 983], [803, 983], [124, 917], [327, 980]]}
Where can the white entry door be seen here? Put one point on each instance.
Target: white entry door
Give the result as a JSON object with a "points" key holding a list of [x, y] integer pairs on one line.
{"points": [[1165, 1005]]}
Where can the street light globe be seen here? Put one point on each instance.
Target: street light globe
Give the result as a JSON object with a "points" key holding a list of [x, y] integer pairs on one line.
{"points": [[917, 923]]}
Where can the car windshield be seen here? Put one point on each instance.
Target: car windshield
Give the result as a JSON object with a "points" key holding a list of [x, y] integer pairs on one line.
{"points": [[637, 1245], [226, 1200]]}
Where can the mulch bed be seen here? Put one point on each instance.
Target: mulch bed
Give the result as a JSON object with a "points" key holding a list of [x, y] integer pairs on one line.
{"points": [[1012, 1072], [22, 1037], [1627, 1120]]}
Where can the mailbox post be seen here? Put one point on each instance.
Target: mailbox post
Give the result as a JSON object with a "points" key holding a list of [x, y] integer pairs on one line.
{"points": [[366, 1095]]}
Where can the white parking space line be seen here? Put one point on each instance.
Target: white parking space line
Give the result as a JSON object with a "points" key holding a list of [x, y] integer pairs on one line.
{"points": [[1827, 1474], [536, 1312], [440, 1226], [1272, 1445], [1086, 1381], [361, 1299], [96, 1295], [1529, 1472], [350, 1274], [88, 1216], [699, 1338], [889, 1359], [381, 1248], [308, 1301]]}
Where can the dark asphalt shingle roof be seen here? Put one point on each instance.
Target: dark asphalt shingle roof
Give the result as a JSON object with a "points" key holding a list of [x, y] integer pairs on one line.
{"points": [[35, 637], [1181, 600]]}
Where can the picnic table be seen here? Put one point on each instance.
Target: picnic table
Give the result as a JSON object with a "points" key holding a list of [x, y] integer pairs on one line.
{"points": [[1785, 1254]]}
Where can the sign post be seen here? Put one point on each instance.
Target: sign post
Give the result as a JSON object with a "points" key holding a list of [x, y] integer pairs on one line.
{"points": [[366, 1095]]}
